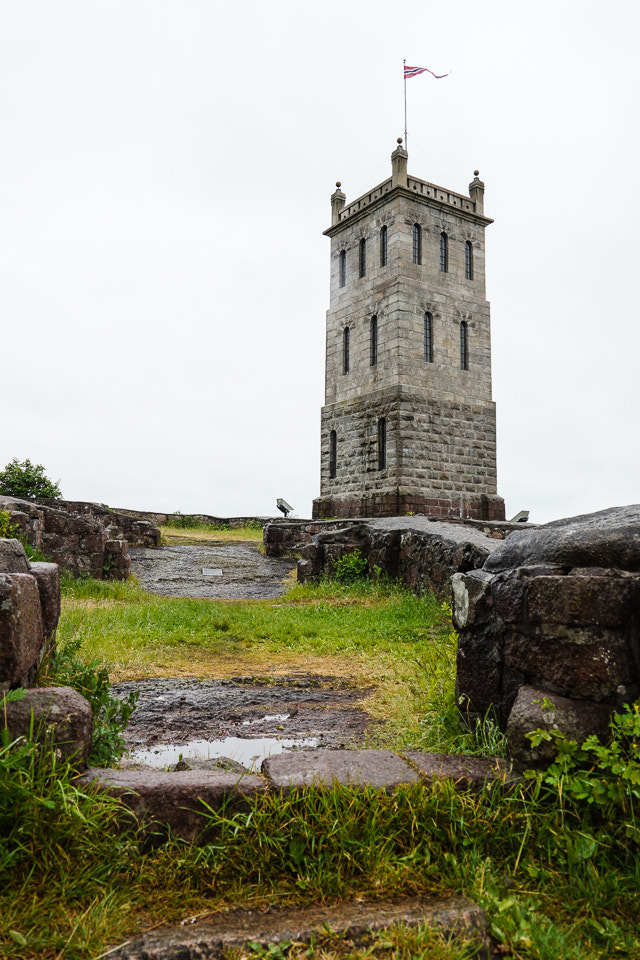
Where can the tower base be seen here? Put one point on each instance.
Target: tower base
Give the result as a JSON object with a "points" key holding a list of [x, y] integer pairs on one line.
{"points": [[395, 503]]}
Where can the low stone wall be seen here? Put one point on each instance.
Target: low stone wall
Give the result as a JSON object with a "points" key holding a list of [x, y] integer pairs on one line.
{"points": [[549, 629], [80, 545], [29, 614], [137, 530], [284, 538], [166, 519], [420, 551]]}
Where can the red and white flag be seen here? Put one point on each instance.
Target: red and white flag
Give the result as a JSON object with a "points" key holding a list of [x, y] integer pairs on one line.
{"points": [[414, 71]]}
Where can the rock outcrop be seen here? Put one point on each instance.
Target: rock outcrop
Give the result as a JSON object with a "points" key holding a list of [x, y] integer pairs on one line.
{"points": [[549, 628]]}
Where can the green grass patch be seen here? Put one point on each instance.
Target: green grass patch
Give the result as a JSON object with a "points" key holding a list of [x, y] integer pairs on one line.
{"points": [[188, 528]]}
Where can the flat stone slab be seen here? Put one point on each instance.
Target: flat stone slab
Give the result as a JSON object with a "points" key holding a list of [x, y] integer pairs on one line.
{"points": [[467, 773], [454, 917], [380, 769], [175, 798]]}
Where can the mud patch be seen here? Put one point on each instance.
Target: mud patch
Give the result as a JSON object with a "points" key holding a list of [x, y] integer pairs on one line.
{"points": [[266, 716]]}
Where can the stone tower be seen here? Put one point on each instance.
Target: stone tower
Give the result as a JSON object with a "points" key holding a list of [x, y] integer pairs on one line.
{"points": [[408, 425]]}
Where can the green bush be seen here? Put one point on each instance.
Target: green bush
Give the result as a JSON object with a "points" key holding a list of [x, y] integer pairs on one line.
{"points": [[110, 714], [7, 529], [351, 567], [27, 480]]}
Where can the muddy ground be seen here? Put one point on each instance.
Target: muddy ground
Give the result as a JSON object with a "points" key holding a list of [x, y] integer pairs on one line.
{"points": [[300, 710]]}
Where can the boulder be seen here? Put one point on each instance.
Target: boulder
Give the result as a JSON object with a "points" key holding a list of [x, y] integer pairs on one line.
{"points": [[48, 579], [58, 716], [609, 538], [13, 559], [21, 635], [539, 709]]}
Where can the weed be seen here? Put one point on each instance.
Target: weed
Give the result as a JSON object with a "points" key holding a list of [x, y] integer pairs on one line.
{"points": [[350, 567], [110, 714], [7, 528]]}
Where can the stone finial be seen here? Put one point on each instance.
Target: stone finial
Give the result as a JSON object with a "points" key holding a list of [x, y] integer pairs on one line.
{"points": [[399, 166], [476, 192], [337, 203]]}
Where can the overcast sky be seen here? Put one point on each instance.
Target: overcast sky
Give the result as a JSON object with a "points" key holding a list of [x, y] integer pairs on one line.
{"points": [[166, 169]]}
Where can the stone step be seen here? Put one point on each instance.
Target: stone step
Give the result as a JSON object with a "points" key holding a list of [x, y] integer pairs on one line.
{"points": [[213, 935]]}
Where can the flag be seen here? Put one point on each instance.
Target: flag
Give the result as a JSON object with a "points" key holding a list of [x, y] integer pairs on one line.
{"points": [[414, 71]]}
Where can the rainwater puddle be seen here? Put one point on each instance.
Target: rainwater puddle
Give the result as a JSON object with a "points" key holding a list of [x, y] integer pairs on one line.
{"points": [[249, 753]]}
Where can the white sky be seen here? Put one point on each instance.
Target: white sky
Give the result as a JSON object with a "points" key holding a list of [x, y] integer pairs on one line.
{"points": [[166, 168]]}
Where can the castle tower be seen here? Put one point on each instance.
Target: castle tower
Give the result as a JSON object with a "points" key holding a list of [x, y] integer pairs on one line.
{"points": [[408, 425]]}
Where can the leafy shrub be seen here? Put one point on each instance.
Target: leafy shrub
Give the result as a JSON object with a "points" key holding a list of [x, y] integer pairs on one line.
{"points": [[7, 529], [27, 480], [110, 714], [351, 567], [598, 783]]}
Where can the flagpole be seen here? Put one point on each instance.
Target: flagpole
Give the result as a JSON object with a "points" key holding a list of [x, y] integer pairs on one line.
{"points": [[404, 75]]}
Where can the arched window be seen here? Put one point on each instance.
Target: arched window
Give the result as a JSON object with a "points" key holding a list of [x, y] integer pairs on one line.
{"points": [[428, 338], [382, 444], [362, 259], [373, 340], [468, 260], [464, 346], [417, 243], [345, 350], [343, 267], [333, 454], [383, 247], [444, 253]]}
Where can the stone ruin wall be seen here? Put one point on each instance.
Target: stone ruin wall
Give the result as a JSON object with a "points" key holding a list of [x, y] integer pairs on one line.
{"points": [[84, 539], [29, 614]]}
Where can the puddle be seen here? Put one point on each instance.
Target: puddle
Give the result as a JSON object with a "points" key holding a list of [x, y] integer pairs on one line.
{"points": [[249, 753]]}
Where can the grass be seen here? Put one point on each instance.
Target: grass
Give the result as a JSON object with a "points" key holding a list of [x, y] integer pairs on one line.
{"points": [[251, 532], [557, 872]]}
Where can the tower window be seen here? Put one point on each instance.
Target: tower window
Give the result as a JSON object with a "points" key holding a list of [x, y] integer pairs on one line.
{"points": [[343, 267], [373, 340], [444, 253], [345, 350], [362, 259], [468, 260], [333, 454], [428, 338], [382, 444], [383, 247], [417, 243], [464, 346]]}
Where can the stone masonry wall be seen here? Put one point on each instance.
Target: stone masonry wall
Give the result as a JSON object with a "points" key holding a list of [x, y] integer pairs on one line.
{"points": [[78, 544], [549, 629]]}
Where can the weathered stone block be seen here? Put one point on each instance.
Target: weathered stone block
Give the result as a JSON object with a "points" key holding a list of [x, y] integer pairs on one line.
{"points": [[56, 716], [363, 768], [594, 601], [13, 558], [467, 773], [177, 799], [589, 667], [21, 636], [472, 599], [577, 719], [48, 579]]}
